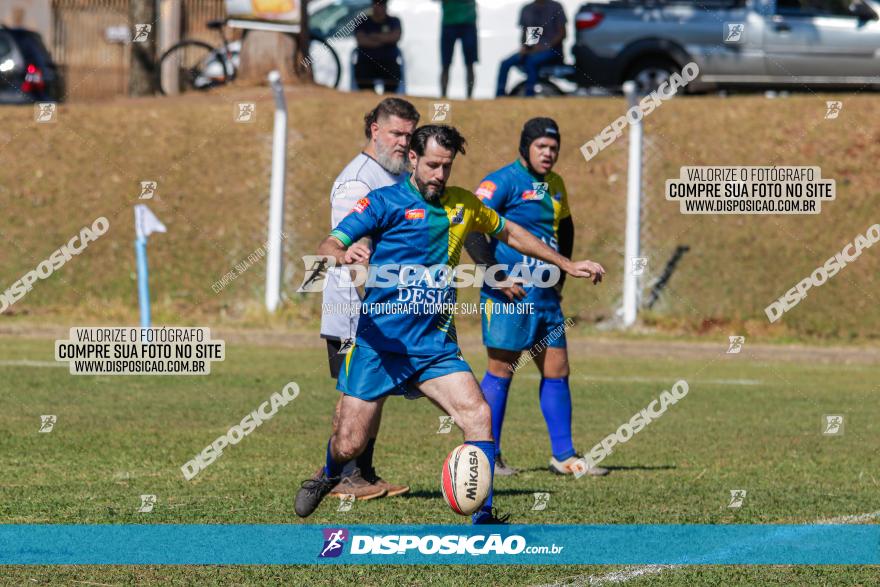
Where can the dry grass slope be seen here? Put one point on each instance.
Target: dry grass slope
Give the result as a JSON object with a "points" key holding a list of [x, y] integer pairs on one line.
{"points": [[213, 179]]}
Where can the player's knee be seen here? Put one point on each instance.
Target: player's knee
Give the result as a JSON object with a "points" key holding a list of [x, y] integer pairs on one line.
{"points": [[347, 445], [345, 451], [559, 372], [478, 420]]}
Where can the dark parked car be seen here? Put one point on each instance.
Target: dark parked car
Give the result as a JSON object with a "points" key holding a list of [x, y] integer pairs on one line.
{"points": [[27, 72]]}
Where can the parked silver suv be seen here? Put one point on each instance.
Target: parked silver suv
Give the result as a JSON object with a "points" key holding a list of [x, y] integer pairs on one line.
{"points": [[806, 44]]}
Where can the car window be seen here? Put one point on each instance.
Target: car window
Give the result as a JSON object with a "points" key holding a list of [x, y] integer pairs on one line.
{"points": [[813, 7], [330, 20], [32, 47]]}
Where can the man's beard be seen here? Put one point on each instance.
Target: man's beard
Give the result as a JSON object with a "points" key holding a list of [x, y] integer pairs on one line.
{"points": [[391, 164], [423, 189]]}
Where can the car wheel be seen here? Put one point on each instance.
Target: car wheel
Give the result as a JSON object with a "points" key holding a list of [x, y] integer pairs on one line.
{"points": [[648, 74], [543, 89]]}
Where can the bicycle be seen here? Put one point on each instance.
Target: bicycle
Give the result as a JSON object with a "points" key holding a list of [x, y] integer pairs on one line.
{"points": [[196, 65]]}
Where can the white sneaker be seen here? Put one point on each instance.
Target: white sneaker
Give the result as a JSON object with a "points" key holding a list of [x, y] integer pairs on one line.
{"points": [[576, 465]]}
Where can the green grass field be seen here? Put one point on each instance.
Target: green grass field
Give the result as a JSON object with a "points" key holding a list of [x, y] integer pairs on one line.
{"points": [[751, 421]]}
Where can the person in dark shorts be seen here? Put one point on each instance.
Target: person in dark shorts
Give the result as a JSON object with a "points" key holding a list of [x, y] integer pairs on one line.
{"points": [[459, 23], [377, 51]]}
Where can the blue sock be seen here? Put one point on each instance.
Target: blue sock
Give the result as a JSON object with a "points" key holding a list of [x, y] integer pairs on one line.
{"points": [[556, 407], [488, 448], [332, 468], [495, 391]]}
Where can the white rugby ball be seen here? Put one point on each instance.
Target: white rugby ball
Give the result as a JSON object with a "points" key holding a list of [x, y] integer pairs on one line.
{"points": [[465, 479]]}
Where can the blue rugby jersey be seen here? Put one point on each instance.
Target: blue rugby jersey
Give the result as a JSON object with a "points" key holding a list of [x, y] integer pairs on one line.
{"points": [[408, 230], [519, 196]]}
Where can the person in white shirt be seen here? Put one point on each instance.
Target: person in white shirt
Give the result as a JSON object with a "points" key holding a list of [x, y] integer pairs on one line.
{"points": [[388, 129]]}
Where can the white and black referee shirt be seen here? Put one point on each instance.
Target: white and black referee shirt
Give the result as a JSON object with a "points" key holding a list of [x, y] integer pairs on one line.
{"points": [[342, 304]]}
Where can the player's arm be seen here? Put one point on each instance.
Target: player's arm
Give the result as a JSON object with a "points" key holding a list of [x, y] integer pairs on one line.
{"points": [[517, 237], [478, 247], [344, 254], [365, 219], [565, 240], [480, 250]]}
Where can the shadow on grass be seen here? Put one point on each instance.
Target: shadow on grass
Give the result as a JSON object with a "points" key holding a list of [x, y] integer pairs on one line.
{"points": [[438, 494], [610, 468], [641, 467]]}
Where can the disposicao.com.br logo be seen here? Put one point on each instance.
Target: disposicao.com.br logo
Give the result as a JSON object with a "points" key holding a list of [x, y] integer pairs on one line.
{"points": [[431, 544]]}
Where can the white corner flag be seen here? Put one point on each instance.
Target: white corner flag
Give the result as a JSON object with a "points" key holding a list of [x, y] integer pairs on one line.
{"points": [[145, 222]]}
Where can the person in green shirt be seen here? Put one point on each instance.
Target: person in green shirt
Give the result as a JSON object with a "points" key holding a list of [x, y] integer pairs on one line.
{"points": [[459, 23]]}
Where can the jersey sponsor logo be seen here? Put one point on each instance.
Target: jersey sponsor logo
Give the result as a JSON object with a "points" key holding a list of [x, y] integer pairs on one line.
{"points": [[415, 214], [486, 190], [361, 205], [533, 195], [458, 216]]}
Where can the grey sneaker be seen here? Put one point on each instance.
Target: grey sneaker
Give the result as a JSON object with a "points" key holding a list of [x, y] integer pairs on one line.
{"points": [[312, 492], [502, 469]]}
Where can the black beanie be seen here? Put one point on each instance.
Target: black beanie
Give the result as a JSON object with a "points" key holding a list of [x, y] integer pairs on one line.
{"points": [[535, 129]]}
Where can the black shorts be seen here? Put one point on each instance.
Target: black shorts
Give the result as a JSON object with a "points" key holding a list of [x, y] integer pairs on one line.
{"points": [[334, 358], [367, 70]]}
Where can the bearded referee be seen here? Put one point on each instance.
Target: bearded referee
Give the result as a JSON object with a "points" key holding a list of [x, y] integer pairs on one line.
{"points": [[388, 129]]}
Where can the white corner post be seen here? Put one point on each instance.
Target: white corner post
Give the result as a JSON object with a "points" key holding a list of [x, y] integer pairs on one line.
{"points": [[633, 205], [276, 196]]}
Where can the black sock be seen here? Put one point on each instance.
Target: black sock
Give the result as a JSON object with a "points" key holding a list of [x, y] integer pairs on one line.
{"points": [[349, 468], [365, 460]]}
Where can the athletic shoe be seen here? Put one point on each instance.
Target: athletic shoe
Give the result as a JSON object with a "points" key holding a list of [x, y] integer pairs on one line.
{"points": [[491, 517], [502, 469], [312, 492], [390, 489], [357, 486], [569, 465]]}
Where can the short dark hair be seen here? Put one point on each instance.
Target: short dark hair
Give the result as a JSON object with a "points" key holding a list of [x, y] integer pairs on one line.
{"points": [[447, 137], [390, 107]]}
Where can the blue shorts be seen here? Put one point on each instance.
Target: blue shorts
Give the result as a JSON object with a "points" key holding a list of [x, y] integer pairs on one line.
{"points": [[369, 374], [452, 32], [519, 331]]}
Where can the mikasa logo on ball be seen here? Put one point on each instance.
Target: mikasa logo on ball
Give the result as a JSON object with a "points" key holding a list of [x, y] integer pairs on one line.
{"points": [[472, 482], [465, 479]]}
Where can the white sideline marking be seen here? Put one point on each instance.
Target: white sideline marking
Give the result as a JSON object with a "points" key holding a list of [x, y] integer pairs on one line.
{"points": [[637, 379], [859, 519], [632, 572], [29, 363]]}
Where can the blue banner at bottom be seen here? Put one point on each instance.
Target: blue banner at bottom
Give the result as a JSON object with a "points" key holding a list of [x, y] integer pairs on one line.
{"points": [[174, 544]]}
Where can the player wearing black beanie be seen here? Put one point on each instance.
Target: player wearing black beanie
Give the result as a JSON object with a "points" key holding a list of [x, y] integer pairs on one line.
{"points": [[536, 128]]}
